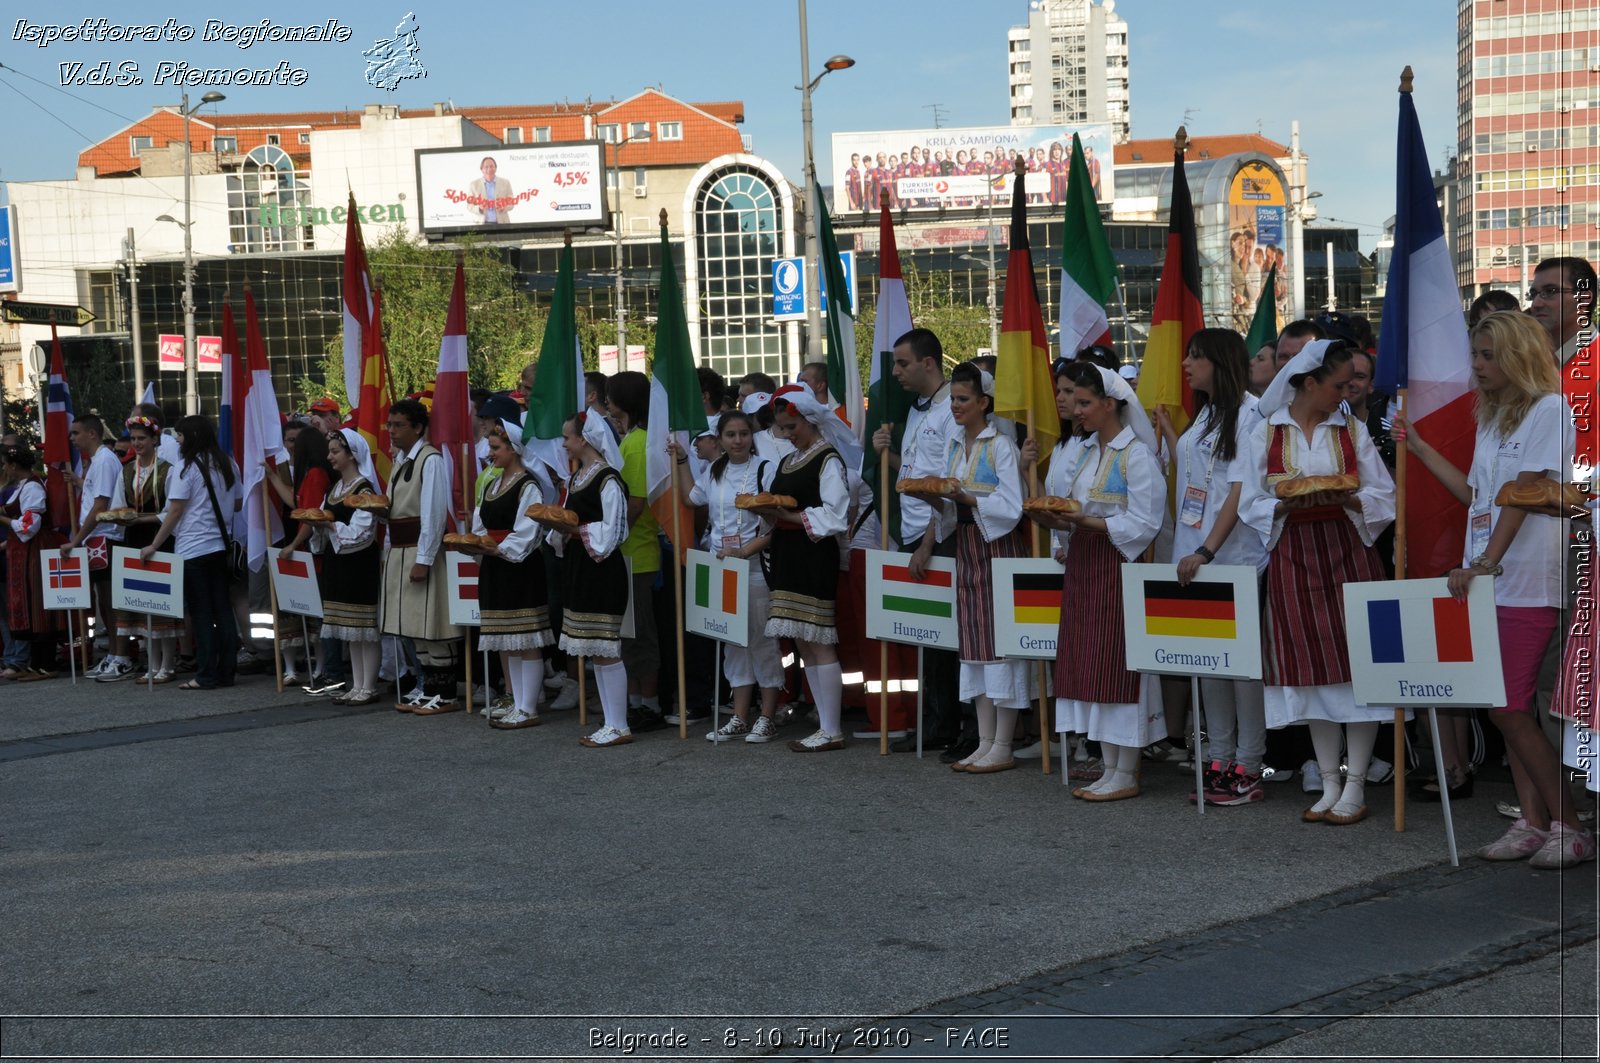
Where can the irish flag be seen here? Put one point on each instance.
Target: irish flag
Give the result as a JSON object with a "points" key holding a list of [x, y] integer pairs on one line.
{"points": [[1422, 355], [1088, 272], [1177, 314], [676, 409], [558, 386], [844, 375]]}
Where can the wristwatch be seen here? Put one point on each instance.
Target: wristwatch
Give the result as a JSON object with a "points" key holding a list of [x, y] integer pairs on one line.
{"points": [[1482, 561], [1204, 552]]}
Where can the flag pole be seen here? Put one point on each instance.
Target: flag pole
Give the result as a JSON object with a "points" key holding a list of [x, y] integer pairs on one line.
{"points": [[677, 595], [466, 633], [83, 615], [272, 587], [1033, 540], [883, 538], [1400, 573]]}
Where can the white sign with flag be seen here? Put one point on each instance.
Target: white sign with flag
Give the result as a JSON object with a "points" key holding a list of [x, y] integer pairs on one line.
{"points": [[154, 586], [1411, 643], [901, 608], [461, 584], [1027, 606], [295, 580], [717, 597], [65, 580], [1209, 627]]}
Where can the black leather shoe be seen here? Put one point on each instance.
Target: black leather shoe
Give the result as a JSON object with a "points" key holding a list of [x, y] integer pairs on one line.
{"points": [[963, 749], [641, 719]]}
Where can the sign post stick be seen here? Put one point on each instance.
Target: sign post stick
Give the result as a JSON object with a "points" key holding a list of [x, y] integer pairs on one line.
{"points": [[883, 647], [1043, 721], [466, 635], [486, 687], [74, 619], [716, 692], [677, 597], [311, 662], [1400, 573], [1444, 787], [1199, 783], [583, 694], [150, 653], [83, 617], [919, 702], [272, 587]]}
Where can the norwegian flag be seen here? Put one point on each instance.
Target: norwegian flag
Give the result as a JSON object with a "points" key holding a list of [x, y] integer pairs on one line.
{"points": [[60, 508]]}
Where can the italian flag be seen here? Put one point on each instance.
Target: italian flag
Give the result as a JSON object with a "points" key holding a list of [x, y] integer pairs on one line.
{"points": [[844, 375], [676, 408], [558, 384], [1088, 272], [887, 402], [1264, 325]]}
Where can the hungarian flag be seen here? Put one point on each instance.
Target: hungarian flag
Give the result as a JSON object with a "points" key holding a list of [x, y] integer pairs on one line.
{"points": [[676, 410], [1023, 388], [1088, 272], [887, 402], [357, 300], [1177, 314], [230, 415], [373, 400], [263, 441], [59, 453], [558, 385], [844, 375], [1422, 356], [1264, 326]]}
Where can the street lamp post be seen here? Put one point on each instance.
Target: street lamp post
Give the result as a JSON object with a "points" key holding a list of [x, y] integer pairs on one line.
{"points": [[191, 380], [994, 320], [616, 225], [813, 260]]}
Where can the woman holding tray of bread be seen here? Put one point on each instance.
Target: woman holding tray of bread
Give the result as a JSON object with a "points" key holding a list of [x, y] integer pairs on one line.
{"points": [[312, 477], [803, 558], [1517, 535], [1318, 494], [144, 488], [352, 564], [1117, 498], [983, 512], [728, 487], [513, 602], [594, 592]]}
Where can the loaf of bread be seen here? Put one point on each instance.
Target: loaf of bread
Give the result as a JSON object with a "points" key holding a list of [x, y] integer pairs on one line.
{"points": [[1051, 504], [1541, 494], [468, 541], [555, 516], [942, 486], [766, 500], [367, 500], [121, 515], [1314, 485], [311, 516]]}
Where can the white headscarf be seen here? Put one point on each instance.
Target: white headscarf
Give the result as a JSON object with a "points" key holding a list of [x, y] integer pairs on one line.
{"points": [[1280, 392], [528, 455], [362, 454], [1132, 413], [835, 431], [597, 433]]}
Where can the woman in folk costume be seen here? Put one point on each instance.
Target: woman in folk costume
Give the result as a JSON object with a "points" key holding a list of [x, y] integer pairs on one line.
{"points": [[513, 601], [352, 565], [144, 488], [984, 518], [740, 533], [1117, 481], [1525, 435], [594, 593], [1316, 544], [416, 600], [24, 517], [804, 556]]}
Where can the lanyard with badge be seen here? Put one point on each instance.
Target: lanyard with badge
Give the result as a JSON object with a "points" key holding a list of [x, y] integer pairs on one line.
{"points": [[1481, 521], [731, 543], [1193, 509]]}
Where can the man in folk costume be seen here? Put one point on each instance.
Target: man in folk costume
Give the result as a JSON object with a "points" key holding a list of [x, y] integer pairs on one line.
{"points": [[416, 603]]}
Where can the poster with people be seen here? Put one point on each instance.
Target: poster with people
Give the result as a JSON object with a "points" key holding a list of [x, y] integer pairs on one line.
{"points": [[1258, 238], [963, 169]]}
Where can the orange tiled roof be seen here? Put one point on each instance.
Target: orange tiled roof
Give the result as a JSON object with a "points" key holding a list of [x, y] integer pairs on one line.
{"points": [[1159, 151]]}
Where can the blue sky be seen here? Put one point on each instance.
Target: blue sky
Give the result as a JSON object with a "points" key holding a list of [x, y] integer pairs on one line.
{"points": [[1230, 68]]}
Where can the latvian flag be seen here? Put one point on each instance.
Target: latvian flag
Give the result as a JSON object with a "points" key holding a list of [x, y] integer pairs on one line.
{"points": [[903, 594], [66, 574], [714, 594], [467, 580], [1446, 618], [293, 567], [1036, 598], [153, 577], [1198, 611]]}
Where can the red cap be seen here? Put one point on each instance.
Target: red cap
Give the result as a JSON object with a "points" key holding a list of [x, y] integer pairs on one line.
{"points": [[324, 405]]}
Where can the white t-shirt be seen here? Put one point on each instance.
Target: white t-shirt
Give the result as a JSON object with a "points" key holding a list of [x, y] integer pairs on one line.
{"points": [[1200, 467], [197, 533], [102, 479], [922, 453], [728, 522], [1534, 561]]}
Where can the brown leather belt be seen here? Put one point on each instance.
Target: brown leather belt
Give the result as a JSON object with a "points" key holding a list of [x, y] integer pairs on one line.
{"points": [[404, 531]]}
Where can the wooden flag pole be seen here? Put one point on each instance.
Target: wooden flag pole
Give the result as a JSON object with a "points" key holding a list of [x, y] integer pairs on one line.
{"points": [[883, 539], [1400, 573], [466, 633], [583, 694], [1043, 720], [677, 595], [272, 587], [83, 615]]}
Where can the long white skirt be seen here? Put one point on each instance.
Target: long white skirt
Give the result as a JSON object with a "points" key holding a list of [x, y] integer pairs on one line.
{"points": [[1131, 724], [1334, 701], [1011, 684]]}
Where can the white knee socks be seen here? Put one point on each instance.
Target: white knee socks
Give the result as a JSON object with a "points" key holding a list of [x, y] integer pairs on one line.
{"points": [[1005, 729], [1359, 739], [530, 681], [364, 658], [827, 687], [1326, 737], [1121, 768], [611, 680], [985, 709]]}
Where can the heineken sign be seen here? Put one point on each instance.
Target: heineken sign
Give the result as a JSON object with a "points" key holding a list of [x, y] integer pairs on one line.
{"points": [[273, 216]]}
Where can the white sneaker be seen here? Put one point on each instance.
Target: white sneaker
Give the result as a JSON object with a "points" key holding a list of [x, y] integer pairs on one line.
{"points": [[734, 728], [567, 700], [99, 669], [497, 712], [763, 730], [1380, 770], [415, 696], [607, 736], [1311, 777], [555, 681], [116, 669]]}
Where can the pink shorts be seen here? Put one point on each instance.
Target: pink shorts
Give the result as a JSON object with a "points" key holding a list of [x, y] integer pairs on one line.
{"points": [[1525, 632]]}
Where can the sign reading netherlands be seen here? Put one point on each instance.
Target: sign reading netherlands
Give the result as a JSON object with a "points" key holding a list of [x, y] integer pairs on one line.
{"points": [[295, 581], [1411, 643], [717, 597], [461, 584], [1209, 627], [901, 608], [139, 586], [65, 580], [1027, 606]]}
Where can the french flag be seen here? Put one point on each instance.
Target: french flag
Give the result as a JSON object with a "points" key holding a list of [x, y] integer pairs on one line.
{"points": [[263, 440], [1423, 354], [1446, 618]]}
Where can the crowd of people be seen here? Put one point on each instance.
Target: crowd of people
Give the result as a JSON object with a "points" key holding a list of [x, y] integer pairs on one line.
{"points": [[570, 548]]}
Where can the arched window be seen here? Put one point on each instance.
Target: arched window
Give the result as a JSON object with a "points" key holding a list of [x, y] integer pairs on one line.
{"points": [[264, 198], [736, 240]]}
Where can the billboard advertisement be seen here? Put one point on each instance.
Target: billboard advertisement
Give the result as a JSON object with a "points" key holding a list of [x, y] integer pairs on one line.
{"points": [[8, 253], [1258, 240], [962, 169], [511, 188]]}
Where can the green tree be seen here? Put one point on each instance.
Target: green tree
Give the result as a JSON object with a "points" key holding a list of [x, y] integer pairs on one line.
{"points": [[960, 326]]}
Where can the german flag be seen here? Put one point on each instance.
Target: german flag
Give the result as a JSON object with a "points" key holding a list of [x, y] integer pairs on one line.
{"points": [[1036, 598], [1023, 388], [1178, 312], [1200, 610]]}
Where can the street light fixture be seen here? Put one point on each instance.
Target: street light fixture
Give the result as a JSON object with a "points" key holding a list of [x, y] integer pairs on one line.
{"points": [[994, 321], [813, 193], [616, 224], [191, 380]]}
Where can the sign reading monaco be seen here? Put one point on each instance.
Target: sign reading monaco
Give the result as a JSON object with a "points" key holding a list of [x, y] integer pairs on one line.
{"points": [[295, 580], [962, 169], [511, 188], [139, 586]]}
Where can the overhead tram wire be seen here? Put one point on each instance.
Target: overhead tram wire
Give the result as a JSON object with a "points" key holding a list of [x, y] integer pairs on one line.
{"points": [[68, 95]]}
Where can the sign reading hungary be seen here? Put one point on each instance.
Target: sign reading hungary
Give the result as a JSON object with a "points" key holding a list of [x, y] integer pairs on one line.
{"points": [[902, 608]]}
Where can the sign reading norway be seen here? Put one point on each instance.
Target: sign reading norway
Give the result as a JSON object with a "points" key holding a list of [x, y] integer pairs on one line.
{"points": [[717, 597], [295, 581], [901, 608], [1027, 606], [461, 583], [64, 581], [1411, 643], [154, 586], [1211, 627]]}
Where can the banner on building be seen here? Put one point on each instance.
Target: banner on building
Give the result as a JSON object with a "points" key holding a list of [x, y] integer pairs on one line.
{"points": [[8, 253], [1210, 627], [901, 608], [511, 188], [716, 600], [154, 586], [65, 580], [169, 353], [1411, 643], [1258, 241], [295, 580], [1027, 606]]}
